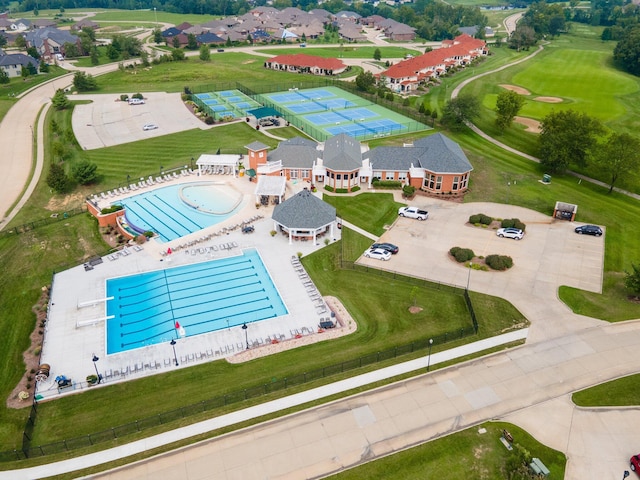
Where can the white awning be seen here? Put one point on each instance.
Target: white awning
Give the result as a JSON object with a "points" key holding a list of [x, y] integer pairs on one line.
{"points": [[271, 186]]}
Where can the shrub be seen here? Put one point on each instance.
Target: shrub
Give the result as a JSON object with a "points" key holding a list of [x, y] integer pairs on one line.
{"points": [[388, 184], [513, 223], [124, 97], [328, 188], [140, 239], [209, 120], [499, 262], [111, 209], [480, 218], [355, 189], [149, 234], [408, 190], [341, 190], [137, 95], [461, 254]]}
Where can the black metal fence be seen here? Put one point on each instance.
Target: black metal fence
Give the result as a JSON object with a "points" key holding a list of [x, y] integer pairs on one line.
{"points": [[276, 385], [53, 218], [258, 90]]}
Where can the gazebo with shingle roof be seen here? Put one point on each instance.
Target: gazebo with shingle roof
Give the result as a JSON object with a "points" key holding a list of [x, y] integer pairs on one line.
{"points": [[304, 217]]}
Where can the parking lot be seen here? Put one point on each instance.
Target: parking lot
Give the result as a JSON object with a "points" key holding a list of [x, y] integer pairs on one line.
{"points": [[550, 254], [107, 121]]}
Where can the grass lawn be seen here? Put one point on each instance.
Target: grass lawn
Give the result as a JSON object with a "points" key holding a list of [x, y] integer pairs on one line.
{"points": [[466, 454], [585, 79], [618, 393], [383, 318], [369, 211]]}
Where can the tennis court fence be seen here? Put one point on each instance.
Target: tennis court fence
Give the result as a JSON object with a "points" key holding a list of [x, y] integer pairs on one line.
{"points": [[257, 92]]}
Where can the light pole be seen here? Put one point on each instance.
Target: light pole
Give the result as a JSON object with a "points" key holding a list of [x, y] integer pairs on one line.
{"points": [[94, 360], [173, 344], [156, 14], [469, 275], [625, 474], [161, 167], [429, 357], [246, 335], [508, 190]]}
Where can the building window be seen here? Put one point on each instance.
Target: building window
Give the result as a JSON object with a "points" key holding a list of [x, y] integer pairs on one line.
{"points": [[293, 174], [402, 175], [305, 174], [438, 183], [463, 183], [454, 186], [430, 181], [390, 176], [338, 176], [261, 154]]}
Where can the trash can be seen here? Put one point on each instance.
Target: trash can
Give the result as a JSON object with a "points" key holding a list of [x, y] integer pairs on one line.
{"points": [[546, 178]]}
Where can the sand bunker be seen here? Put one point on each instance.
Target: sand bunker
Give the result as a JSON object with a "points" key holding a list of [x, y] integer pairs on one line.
{"points": [[533, 126], [518, 90], [548, 99]]}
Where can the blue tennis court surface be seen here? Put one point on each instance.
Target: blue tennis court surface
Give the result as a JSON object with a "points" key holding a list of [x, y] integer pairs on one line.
{"points": [[227, 93], [376, 127], [234, 99], [340, 116], [153, 307], [210, 101]]}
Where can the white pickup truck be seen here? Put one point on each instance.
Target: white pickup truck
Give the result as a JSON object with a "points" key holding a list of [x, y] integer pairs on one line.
{"points": [[413, 212]]}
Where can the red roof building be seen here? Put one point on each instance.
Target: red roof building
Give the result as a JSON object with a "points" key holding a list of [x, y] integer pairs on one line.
{"points": [[407, 75], [302, 63]]}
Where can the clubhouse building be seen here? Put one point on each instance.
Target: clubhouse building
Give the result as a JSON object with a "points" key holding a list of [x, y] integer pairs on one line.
{"points": [[433, 164]]}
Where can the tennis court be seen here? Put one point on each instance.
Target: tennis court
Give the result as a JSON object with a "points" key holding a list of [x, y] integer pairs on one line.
{"points": [[326, 111], [382, 127], [224, 104]]}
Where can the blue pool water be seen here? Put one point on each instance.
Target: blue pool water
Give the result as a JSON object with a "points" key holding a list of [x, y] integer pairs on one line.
{"points": [[202, 297], [178, 210]]}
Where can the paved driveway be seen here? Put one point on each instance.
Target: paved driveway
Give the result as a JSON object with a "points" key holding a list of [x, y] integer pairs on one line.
{"points": [[550, 251], [107, 121]]}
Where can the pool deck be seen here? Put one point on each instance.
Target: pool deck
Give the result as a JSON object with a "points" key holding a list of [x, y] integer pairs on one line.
{"points": [[77, 298]]}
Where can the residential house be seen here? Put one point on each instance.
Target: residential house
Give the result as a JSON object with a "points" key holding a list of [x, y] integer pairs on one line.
{"points": [[302, 63], [407, 75], [50, 41], [43, 23], [351, 32], [85, 23], [12, 64], [434, 164]]}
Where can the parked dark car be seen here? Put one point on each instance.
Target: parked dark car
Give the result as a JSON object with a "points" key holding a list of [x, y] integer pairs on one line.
{"points": [[389, 247], [589, 230]]}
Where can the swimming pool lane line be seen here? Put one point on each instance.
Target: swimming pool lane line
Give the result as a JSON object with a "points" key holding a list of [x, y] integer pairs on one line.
{"points": [[136, 202], [200, 227]]}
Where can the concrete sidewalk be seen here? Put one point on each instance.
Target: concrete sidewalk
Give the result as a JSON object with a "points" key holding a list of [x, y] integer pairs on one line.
{"points": [[257, 411]]}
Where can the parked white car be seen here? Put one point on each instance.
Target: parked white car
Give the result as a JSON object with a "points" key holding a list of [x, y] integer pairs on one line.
{"points": [[413, 212], [378, 253], [149, 126], [514, 233], [136, 101]]}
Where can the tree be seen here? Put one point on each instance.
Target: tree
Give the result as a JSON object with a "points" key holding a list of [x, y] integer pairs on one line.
{"points": [[508, 105], [632, 279], [460, 110], [33, 52], [57, 179], [175, 42], [71, 50], [192, 42], [229, 43], [20, 42], [177, 54], [95, 56], [522, 38], [627, 51], [365, 81], [84, 172], [157, 36], [567, 137], [112, 52], [3, 41], [619, 156], [60, 100], [84, 82], [205, 52], [32, 69], [4, 78], [43, 67], [377, 55]]}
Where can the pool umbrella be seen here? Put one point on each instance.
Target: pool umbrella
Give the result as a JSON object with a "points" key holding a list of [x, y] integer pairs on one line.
{"points": [[177, 325], [169, 251], [251, 172]]}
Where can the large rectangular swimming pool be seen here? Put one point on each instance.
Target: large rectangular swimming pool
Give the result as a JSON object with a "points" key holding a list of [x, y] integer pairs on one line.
{"points": [[154, 307]]}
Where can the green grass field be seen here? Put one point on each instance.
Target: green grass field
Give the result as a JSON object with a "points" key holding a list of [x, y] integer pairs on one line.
{"points": [[467, 454], [384, 319]]}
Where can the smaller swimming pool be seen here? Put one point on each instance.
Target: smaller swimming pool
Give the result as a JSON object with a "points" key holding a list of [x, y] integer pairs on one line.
{"points": [[153, 307], [178, 210]]}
